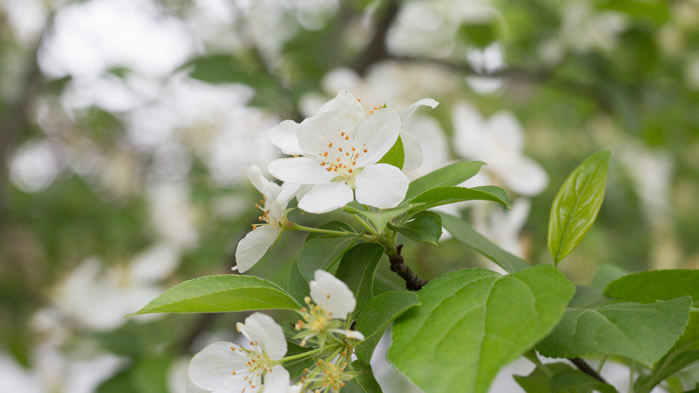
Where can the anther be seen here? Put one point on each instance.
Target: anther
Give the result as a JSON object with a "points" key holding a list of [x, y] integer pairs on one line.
{"points": [[330, 144]]}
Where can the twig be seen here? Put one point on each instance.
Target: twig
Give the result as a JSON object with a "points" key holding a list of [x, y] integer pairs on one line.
{"points": [[412, 281], [376, 48], [587, 369]]}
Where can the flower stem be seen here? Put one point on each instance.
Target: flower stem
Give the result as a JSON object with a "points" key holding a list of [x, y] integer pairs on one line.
{"points": [[308, 353], [292, 226]]}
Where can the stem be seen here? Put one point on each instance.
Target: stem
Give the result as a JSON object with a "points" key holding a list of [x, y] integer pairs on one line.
{"points": [[631, 370], [364, 224], [292, 226], [307, 353], [532, 357], [601, 363], [584, 367]]}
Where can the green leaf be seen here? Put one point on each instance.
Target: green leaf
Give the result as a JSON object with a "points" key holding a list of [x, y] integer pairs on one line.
{"points": [[464, 232], [425, 227], [647, 287], [473, 322], [297, 284], [606, 274], [576, 205], [379, 218], [586, 297], [479, 34], [362, 383], [450, 175], [321, 252], [642, 332], [378, 315], [223, 293], [395, 156], [445, 195], [357, 270], [573, 380], [539, 381], [683, 354]]}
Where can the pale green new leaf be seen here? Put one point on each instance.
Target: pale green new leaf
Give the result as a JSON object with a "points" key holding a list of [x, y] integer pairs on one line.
{"points": [[425, 227], [380, 218], [378, 315], [222, 293], [647, 287], [464, 232], [642, 332], [576, 205], [473, 322], [450, 175]]}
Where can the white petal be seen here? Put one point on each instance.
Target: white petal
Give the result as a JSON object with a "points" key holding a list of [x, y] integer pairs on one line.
{"points": [[318, 132], [377, 133], [284, 137], [470, 140], [154, 264], [212, 368], [405, 113], [268, 335], [323, 198], [295, 389], [332, 295], [299, 170], [254, 246], [413, 151], [257, 178], [277, 380], [288, 191], [381, 185], [506, 132], [353, 334], [346, 103], [523, 176]]}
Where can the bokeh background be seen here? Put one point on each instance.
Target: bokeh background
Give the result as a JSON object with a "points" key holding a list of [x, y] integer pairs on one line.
{"points": [[126, 127]]}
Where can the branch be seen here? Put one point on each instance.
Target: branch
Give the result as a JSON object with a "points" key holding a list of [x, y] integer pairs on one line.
{"points": [[584, 367], [412, 281], [376, 48]]}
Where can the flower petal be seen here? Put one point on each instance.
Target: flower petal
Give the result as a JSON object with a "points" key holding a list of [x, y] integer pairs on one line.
{"points": [[332, 295], [323, 198], [377, 133], [254, 246], [319, 133], [212, 367], [506, 132], [267, 334], [470, 139], [287, 192], [522, 175], [413, 151], [346, 103], [284, 137], [268, 188], [353, 334], [299, 170], [381, 185], [405, 113], [277, 380]]}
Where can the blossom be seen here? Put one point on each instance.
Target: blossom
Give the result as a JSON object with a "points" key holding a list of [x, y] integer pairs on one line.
{"points": [[502, 226], [273, 205], [338, 152], [499, 142], [331, 302], [224, 367]]}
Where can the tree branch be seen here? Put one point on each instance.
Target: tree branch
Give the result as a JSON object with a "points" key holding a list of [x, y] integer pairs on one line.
{"points": [[376, 48], [584, 367], [412, 281]]}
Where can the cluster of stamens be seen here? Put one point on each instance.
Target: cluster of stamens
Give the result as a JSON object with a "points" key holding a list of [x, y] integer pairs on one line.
{"points": [[315, 318], [342, 159], [265, 217], [328, 375], [258, 363]]}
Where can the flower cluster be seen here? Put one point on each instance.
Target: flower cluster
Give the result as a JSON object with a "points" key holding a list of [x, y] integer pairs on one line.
{"points": [[336, 160], [259, 366]]}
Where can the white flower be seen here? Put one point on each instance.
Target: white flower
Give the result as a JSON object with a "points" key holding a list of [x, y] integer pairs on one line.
{"points": [[256, 243], [340, 147], [502, 226], [499, 142], [224, 367], [332, 295]]}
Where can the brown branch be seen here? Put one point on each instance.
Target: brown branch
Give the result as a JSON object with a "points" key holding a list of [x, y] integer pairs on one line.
{"points": [[412, 281], [376, 48], [584, 367]]}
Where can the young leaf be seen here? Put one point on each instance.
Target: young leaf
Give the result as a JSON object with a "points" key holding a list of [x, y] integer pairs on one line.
{"points": [[378, 315], [321, 252], [473, 322], [642, 332], [684, 353], [425, 227], [395, 156], [464, 232], [450, 175], [362, 383], [380, 218], [574, 380], [576, 205], [224, 293], [445, 195], [539, 381], [357, 269], [647, 287]]}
